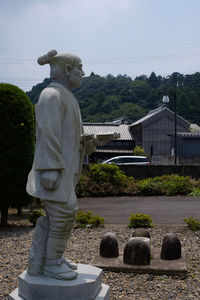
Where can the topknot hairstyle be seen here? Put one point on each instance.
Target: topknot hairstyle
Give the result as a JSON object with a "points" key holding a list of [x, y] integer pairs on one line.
{"points": [[45, 59], [58, 62]]}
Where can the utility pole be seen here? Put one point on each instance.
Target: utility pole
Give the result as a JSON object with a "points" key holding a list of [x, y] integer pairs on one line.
{"points": [[175, 131]]}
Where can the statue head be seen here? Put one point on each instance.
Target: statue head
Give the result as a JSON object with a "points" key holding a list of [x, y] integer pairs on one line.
{"points": [[65, 68]]}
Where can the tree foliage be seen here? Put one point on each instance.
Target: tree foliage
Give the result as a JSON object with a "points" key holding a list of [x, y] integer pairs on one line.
{"points": [[16, 147], [106, 98], [102, 180], [139, 151]]}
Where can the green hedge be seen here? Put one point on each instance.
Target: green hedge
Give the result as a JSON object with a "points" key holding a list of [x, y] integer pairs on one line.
{"points": [[140, 221], [84, 218], [169, 185], [108, 180], [103, 180]]}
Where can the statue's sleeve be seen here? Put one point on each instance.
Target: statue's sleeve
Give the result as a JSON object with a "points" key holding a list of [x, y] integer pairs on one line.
{"points": [[48, 151]]}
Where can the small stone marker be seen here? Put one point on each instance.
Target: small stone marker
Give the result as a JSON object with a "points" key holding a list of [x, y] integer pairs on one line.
{"points": [[171, 247], [141, 233], [109, 245], [137, 251]]}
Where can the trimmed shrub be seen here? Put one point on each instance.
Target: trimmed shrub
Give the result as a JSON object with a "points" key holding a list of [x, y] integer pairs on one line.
{"points": [[82, 188], [96, 221], [83, 218], [107, 173], [140, 220], [36, 213], [147, 187], [169, 185], [16, 147], [103, 180], [177, 185], [193, 223], [108, 180]]}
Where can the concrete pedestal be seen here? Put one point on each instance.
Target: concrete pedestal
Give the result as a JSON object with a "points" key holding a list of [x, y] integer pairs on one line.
{"points": [[87, 286]]}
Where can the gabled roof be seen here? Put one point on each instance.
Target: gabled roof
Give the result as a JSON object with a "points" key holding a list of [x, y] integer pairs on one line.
{"points": [[157, 109], [95, 128], [122, 120], [152, 113]]}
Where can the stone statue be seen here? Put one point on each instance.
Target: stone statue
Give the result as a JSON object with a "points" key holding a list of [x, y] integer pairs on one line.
{"points": [[60, 148]]}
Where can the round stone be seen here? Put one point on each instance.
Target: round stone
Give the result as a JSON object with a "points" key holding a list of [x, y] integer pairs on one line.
{"points": [[137, 251], [141, 233], [109, 245], [171, 247]]}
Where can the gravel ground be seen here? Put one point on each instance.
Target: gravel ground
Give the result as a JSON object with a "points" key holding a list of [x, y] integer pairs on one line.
{"points": [[84, 245]]}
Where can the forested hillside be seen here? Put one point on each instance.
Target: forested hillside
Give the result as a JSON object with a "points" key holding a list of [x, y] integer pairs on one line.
{"points": [[106, 98]]}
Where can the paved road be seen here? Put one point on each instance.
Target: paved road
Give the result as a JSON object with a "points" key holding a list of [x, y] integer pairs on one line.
{"points": [[163, 210]]}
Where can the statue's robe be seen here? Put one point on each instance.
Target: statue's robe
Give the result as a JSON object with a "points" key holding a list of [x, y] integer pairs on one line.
{"points": [[58, 144]]}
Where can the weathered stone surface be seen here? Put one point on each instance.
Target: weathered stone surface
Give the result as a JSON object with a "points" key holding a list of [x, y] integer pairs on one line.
{"points": [[38, 249], [86, 286], [57, 163], [109, 245], [141, 233], [171, 247], [157, 265], [137, 251]]}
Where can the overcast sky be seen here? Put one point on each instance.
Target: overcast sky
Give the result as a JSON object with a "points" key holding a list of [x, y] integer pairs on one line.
{"points": [[130, 37]]}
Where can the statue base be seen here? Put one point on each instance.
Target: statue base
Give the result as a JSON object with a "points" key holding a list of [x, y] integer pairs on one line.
{"points": [[87, 286]]}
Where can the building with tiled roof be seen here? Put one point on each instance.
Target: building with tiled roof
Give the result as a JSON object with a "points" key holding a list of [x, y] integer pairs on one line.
{"points": [[122, 146], [152, 132]]}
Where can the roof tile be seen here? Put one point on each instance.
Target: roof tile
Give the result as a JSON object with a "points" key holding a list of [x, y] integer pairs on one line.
{"points": [[96, 128]]}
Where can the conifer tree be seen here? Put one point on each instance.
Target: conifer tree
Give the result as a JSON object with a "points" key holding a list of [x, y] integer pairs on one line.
{"points": [[16, 147]]}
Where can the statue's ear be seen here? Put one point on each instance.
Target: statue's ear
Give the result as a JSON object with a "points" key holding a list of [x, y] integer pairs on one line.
{"points": [[67, 70]]}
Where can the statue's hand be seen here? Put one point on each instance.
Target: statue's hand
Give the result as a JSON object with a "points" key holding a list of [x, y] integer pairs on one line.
{"points": [[50, 179], [103, 138]]}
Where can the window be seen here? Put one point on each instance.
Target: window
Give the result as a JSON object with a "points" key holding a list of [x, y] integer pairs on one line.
{"points": [[114, 160]]}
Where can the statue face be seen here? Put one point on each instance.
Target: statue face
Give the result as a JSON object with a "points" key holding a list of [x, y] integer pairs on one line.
{"points": [[75, 76]]}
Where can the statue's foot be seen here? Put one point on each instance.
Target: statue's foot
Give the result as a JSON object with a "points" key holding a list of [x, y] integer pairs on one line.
{"points": [[69, 263], [60, 271]]}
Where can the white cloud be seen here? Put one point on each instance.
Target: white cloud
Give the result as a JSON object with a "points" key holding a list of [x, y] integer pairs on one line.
{"points": [[44, 20], [93, 29]]}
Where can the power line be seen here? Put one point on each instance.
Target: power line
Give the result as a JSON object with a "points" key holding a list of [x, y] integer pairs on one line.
{"points": [[112, 60], [196, 43]]}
